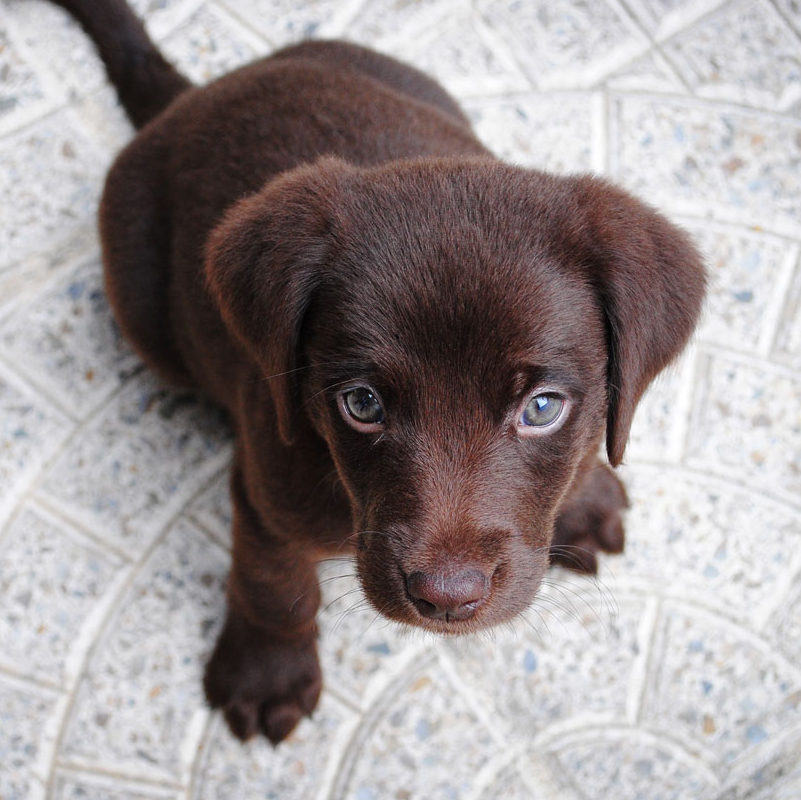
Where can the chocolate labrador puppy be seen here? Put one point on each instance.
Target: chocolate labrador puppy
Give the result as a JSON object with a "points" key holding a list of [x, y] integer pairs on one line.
{"points": [[421, 347]]}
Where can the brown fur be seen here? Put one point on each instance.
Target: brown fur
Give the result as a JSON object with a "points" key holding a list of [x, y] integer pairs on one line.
{"points": [[326, 217]]}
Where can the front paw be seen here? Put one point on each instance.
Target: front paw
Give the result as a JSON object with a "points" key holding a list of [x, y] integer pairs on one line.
{"points": [[261, 683], [591, 519]]}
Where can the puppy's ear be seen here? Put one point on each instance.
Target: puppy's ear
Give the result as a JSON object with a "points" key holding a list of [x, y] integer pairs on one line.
{"points": [[650, 280], [264, 261]]}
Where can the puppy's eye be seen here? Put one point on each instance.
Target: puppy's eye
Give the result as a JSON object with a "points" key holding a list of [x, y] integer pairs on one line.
{"points": [[541, 411], [361, 408]]}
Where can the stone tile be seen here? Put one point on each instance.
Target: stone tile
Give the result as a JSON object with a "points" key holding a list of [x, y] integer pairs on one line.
{"points": [[164, 16], [546, 131], [287, 21], [566, 44], [22, 93], [395, 25], [746, 423], [359, 650], [69, 785], [709, 161], [791, 10], [212, 509], [784, 629], [299, 768], [744, 53], [465, 56], [510, 785], [649, 73], [28, 726], [137, 462], [663, 18], [658, 429], [54, 588], [411, 735], [65, 339], [747, 283], [692, 536], [718, 688], [139, 708], [570, 661], [788, 338], [30, 432], [645, 768], [50, 180], [210, 43]]}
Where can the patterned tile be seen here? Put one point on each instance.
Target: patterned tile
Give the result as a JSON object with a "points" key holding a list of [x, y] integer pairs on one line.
{"points": [[49, 183], [139, 707], [747, 420], [65, 339], [566, 44], [709, 161], [28, 727], [719, 688], [71, 785], [137, 462], [744, 54], [544, 131], [788, 338], [665, 17], [54, 588]]}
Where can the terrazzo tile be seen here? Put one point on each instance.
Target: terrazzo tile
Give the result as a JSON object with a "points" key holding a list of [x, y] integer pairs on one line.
{"points": [[359, 650], [565, 44], [744, 54], [692, 536], [139, 707], [137, 462], [210, 43], [604, 761], [411, 736], [465, 56], [510, 785], [784, 629], [747, 284], [663, 18], [28, 727], [718, 687], [22, 92], [575, 665], [395, 25], [69, 785], [791, 11], [65, 339], [54, 587], [286, 21], [298, 769], [212, 508], [50, 178], [747, 421], [787, 347], [650, 73], [164, 16], [545, 131], [30, 432], [709, 160]]}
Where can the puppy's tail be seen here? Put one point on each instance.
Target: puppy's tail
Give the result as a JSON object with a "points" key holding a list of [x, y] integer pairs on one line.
{"points": [[145, 81]]}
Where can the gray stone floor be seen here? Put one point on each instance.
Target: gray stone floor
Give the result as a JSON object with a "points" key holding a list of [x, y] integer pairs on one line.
{"points": [[676, 675]]}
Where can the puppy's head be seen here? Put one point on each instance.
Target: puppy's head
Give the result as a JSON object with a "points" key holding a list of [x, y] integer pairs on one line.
{"points": [[459, 333]]}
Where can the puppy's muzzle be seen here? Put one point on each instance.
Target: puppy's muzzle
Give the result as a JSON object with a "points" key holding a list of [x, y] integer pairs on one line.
{"points": [[448, 596]]}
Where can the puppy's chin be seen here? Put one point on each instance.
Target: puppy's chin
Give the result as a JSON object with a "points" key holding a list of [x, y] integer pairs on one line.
{"points": [[511, 588]]}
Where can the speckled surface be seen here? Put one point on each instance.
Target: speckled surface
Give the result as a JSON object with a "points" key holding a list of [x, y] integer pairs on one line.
{"points": [[675, 676]]}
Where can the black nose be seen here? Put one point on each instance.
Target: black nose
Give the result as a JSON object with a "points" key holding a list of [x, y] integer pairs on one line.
{"points": [[448, 595]]}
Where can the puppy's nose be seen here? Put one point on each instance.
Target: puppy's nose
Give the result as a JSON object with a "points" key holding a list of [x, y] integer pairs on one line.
{"points": [[448, 596]]}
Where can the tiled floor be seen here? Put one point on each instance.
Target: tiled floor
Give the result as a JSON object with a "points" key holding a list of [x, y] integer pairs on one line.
{"points": [[676, 675]]}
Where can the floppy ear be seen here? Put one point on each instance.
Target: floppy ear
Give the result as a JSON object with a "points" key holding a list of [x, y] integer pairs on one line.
{"points": [[650, 280], [264, 261]]}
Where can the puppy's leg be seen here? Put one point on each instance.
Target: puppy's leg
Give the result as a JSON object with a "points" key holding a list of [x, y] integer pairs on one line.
{"points": [[591, 519], [264, 673]]}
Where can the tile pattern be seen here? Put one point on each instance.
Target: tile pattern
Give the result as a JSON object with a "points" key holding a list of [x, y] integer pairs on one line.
{"points": [[674, 675]]}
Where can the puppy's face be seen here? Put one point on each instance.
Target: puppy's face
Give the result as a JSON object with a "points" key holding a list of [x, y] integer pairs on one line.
{"points": [[459, 333], [458, 379]]}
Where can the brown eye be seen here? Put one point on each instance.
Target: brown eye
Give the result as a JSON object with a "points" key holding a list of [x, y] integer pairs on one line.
{"points": [[361, 408]]}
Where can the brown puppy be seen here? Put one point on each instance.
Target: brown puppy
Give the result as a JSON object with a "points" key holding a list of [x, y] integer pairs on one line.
{"points": [[420, 347]]}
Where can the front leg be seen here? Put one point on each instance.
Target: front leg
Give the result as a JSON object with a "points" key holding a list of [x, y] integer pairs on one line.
{"points": [[590, 519], [264, 673]]}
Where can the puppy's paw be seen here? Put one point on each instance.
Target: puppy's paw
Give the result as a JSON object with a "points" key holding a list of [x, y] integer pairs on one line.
{"points": [[591, 519], [262, 685]]}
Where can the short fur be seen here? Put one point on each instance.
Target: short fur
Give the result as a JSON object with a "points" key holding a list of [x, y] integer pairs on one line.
{"points": [[326, 217]]}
